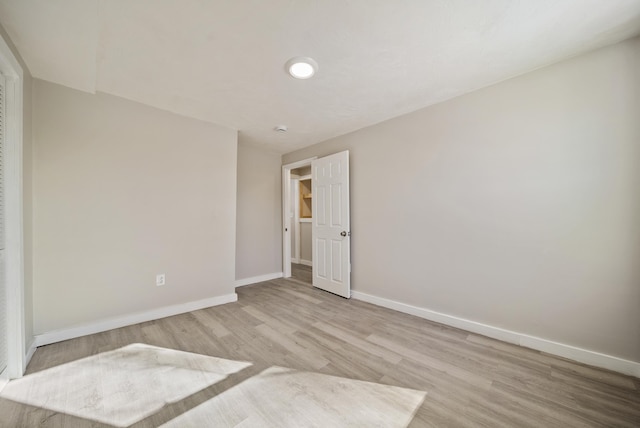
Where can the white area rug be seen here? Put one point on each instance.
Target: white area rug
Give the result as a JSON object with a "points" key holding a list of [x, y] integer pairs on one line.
{"points": [[280, 397], [123, 386]]}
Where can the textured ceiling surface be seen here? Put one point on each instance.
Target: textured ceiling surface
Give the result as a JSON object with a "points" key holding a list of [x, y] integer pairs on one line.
{"points": [[223, 61]]}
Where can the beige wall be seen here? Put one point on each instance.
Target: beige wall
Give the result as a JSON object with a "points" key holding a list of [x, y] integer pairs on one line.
{"points": [[517, 205], [27, 191], [124, 192], [259, 231]]}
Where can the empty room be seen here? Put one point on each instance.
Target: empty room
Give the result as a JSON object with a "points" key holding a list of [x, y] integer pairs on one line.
{"points": [[298, 213]]}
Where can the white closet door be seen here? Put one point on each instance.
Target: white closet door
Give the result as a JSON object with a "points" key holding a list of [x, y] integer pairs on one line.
{"points": [[3, 283]]}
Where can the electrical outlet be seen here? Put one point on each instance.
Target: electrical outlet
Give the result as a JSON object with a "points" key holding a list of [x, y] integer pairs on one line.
{"points": [[160, 279]]}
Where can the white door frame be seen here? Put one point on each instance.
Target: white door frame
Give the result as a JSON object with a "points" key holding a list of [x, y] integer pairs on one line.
{"points": [[14, 247], [286, 219]]}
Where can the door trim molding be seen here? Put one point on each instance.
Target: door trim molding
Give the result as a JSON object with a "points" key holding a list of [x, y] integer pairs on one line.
{"points": [[286, 220], [14, 80]]}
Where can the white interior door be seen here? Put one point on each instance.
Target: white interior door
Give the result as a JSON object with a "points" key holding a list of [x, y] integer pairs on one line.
{"points": [[331, 227]]}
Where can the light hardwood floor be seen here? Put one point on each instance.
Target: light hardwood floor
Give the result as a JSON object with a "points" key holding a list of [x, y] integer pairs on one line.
{"points": [[301, 273], [470, 380]]}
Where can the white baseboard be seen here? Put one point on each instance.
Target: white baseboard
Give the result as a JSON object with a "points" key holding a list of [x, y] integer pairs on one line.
{"points": [[580, 355], [306, 262], [123, 321], [260, 278]]}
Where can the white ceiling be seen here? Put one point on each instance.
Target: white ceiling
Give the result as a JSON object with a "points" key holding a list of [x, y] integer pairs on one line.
{"points": [[223, 61]]}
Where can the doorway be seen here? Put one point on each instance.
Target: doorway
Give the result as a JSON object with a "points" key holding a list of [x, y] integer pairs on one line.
{"points": [[323, 208], [301, 200], [297, 209]]}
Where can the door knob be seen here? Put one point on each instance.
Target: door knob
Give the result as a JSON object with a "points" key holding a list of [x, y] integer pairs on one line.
{"points": [[343, 233]]}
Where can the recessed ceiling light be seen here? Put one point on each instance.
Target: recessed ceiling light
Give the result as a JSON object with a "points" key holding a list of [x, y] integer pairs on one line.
{"points": [[302, 67]]}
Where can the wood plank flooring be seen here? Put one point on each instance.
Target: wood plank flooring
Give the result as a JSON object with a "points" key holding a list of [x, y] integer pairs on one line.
{"points": [[301, 272], [470, 380]]}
